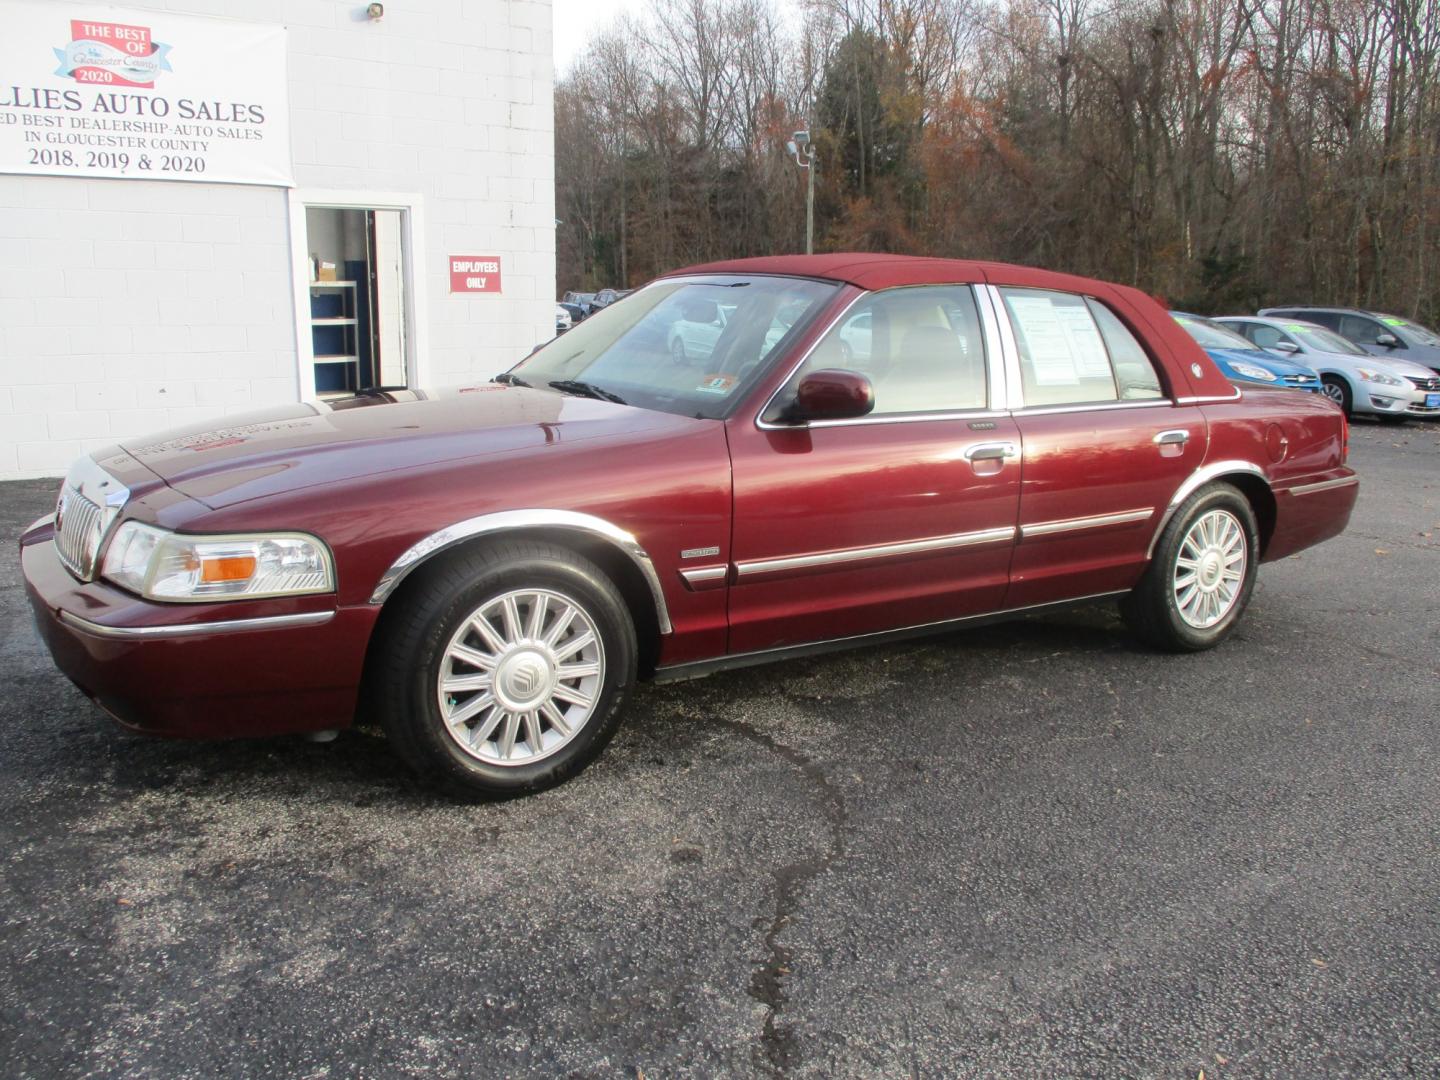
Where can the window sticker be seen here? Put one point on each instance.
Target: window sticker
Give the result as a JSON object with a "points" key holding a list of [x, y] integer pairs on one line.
{"points": [[1051, 354], [1393, 322], [1091, 359], [1296, 329], [716, 384]]}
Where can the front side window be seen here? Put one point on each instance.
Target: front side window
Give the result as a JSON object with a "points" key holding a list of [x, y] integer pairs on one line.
{"points": [[1360, 329], [1074, 351], [691, 346], [1267, 337], [921, 347]]}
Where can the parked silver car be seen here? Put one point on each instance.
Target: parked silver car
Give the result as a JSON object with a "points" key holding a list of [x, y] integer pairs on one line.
{"points": [[1389, 387], [1389, 337]]}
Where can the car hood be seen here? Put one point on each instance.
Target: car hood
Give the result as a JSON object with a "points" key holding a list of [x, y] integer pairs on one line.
{"points": [[290, 447], [1395, 365], [1261, 359]]}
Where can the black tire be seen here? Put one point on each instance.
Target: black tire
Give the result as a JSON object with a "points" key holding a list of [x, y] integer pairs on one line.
{"points": [[1338, 391], [1152, 609], [416, 639]]}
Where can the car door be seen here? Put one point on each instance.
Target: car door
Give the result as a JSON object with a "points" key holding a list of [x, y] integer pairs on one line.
{"points": [[901, 518], [1106, 445]]}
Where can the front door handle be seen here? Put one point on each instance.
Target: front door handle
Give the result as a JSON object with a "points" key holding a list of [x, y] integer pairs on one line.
{"points": [[991, 451]]}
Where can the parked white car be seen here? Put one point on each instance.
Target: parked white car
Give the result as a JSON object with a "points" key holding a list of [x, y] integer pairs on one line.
{"points": [[1389, 388], [563, 321]]}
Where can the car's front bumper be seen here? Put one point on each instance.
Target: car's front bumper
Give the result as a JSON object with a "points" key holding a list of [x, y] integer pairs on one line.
{"points": [[199, 671]]}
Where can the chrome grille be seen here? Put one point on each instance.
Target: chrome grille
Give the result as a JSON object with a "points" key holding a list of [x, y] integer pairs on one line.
{"points": [[1422, 383], [89, 502], [1300, 380], [78, 528]]}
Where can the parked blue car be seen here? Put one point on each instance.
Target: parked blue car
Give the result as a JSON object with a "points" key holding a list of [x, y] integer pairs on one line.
{"points": [[1242, 360]]}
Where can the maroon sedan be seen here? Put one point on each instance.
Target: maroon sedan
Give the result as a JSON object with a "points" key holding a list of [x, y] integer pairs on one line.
{"points": [[844, 448]]}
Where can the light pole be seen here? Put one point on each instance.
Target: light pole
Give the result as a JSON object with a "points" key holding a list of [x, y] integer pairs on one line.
{"points": [[804, 152]]}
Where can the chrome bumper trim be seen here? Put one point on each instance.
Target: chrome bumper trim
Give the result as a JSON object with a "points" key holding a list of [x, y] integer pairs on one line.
{"points": [[132, 633], [1324, 485]]}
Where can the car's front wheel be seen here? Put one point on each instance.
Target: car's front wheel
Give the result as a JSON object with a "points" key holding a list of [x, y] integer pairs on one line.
{"points": [[505, 669], [1338, 391], [1201, 576]]}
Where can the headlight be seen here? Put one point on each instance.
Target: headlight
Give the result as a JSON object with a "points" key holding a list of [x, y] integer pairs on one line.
{"points": [[1250, 371], [161, 565], [1384, 378]]}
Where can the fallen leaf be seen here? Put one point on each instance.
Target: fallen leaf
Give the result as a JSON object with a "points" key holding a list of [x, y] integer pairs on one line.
{"points": [[1318, 962], [1381, 551], [125, 903], [1221, 1059]]}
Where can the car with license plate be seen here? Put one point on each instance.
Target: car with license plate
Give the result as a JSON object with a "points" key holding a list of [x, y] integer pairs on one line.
{"points": [[1389, 388], [486, 572]]}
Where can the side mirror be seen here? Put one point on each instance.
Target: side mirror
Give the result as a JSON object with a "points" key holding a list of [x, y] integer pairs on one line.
{"points": [[833, 394], [1285, 347], [1388, 340]]}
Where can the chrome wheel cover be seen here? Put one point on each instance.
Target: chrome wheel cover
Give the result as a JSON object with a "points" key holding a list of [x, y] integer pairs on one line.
{"points": [[1335, 392], [521, 677], [1210, 568]]}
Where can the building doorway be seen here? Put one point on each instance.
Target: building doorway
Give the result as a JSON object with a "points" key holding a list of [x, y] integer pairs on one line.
{"points": [[358, 307]]}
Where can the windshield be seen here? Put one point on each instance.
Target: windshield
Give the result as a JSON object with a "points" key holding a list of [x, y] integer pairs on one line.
{"points": [[1209, 335], [1419, 335], [690, 346], [1322, 340]]}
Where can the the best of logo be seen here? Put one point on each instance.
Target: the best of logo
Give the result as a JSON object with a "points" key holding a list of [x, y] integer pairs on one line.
{"points": [[112, 54]]}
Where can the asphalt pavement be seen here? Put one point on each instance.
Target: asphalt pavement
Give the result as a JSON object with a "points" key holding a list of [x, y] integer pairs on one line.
{"points": [[1022, 850]]}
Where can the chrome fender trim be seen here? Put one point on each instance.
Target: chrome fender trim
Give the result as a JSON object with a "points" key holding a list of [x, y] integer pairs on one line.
{"points": [[224, 626], [1196, 480], [511, 520]]}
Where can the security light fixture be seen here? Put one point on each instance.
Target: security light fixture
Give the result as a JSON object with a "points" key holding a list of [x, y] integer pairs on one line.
{"points": [[376, 11]]}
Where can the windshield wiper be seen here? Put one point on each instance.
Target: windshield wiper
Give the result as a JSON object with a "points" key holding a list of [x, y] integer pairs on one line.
{"points": [[509, 379], [575, 386]]}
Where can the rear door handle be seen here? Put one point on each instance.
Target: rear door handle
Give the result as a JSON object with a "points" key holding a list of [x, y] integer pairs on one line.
{"points": [[991, 451], [1173, 437]]}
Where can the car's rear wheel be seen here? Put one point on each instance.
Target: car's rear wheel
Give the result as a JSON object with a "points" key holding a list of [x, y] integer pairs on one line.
{"points": [[1338, 391], [505, 669], [1202, 575]]}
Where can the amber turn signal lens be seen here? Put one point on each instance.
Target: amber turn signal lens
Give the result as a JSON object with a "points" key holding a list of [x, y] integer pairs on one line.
{"points": [[228, 568]]}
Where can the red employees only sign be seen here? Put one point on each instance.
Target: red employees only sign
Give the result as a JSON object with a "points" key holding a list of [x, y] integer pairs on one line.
{"points": [[474, 273]]}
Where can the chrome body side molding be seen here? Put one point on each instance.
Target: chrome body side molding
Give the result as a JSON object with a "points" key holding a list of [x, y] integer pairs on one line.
{"points": [[1196, 480], [700, 668], [222, 626], [879, 551], [701, 577], [511, 520], [1324, 485], [1099, 521]]}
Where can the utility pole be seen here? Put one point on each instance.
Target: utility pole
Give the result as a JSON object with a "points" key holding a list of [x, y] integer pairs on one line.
{"points": [[804, 152]]}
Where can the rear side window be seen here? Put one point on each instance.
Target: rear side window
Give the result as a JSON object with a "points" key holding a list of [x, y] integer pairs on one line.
{"points": [[1074, 351]]}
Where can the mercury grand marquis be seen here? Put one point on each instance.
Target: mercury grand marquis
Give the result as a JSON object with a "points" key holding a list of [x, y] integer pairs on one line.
{"points": [[487, 571]]}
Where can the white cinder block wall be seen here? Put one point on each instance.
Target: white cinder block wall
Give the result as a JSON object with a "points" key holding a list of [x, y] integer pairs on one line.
{"points": [[127, 306]]}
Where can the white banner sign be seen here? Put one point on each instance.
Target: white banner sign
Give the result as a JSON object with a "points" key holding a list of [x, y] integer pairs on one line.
{"points": [[101, 91]]}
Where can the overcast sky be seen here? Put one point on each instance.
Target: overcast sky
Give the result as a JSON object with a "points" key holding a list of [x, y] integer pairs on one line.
{"points": [[576, 21]]}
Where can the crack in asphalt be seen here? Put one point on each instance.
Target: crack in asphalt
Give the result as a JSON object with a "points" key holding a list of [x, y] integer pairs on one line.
{"points": [[778, 1042]]}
